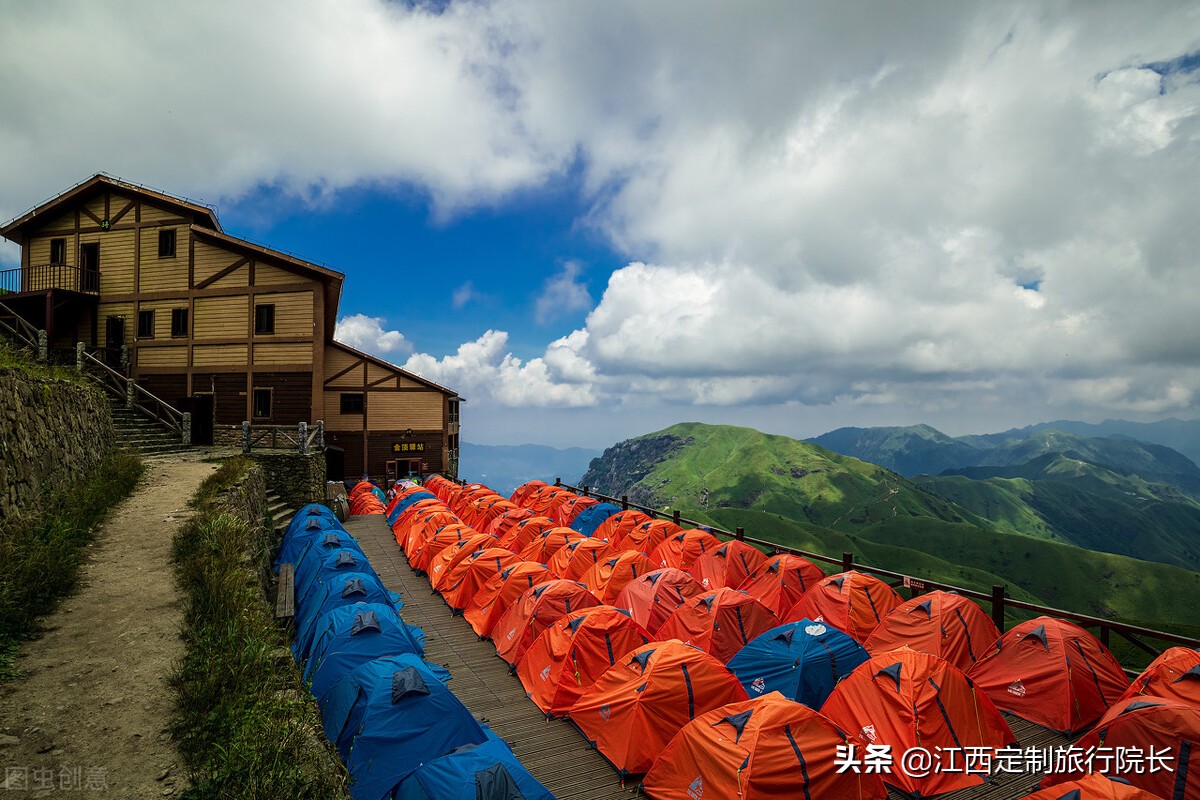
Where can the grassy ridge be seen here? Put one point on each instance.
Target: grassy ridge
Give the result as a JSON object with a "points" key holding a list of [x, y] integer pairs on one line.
{"points": [[42, 555], [246, 725]]}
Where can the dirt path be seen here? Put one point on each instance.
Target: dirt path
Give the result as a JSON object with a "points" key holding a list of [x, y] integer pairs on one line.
{"points": [[92, 713]]}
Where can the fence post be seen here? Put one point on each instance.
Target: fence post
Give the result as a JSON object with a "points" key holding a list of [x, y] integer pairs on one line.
{"points": [[246, 437], [185, 428], [320, 434], [998, 607], [129, 394], [79, 356], [558, 481], [585, 490], [675, 517], [624, 502], [740, 534], [124, 359], [43, 347], [847, 562], [303, 438]]}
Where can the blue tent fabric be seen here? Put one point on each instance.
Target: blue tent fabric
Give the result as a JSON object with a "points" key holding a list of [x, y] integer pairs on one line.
{"points": [[351, 637], [802, 660], [326, 540], [590, 518], [384, 735], [404, 504], [488, 771], [309, 512], [321, 565], [295, 541], [341, 590]]}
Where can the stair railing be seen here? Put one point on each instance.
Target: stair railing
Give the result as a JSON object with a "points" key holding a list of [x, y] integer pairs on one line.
{"points": [[23, 332], [134, 396]]}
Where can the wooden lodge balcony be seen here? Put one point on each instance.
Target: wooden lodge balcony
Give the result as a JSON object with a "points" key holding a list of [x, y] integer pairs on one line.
{"points": [[44, 277]]}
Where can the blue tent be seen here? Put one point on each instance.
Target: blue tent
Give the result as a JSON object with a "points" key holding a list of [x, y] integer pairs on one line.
{"points": [[590, 518], [304, 543], [310, 511], [404, 504], [390, 715], [299, 535], [488, 771], [319, 565], [354, 635], [801, 660], [342, 589]]}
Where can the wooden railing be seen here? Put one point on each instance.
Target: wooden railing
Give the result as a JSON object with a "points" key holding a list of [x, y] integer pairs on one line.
{"points": [[134, 396], [22, 332], [997, 599], [50, 276], [302, 438]]}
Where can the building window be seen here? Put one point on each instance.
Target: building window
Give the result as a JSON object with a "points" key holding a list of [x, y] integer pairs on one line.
{"points": [[262, 403], [453, 414], [453, 443], [166, 243], [352, 403], [58, 251], [264, 318], [146, 324], [179, 322]]}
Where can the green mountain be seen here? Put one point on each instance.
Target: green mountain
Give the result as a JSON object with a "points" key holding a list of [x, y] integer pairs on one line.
{"points": [[802, 495], [912, 450]]}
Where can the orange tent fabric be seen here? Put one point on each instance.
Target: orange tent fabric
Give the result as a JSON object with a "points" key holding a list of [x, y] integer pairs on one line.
{"points": [[545, 545], [852, 602], [761, 749], [572, 653], [469, 575], [1174, 675], [500, 526], [443, 537], [647, 536], [620, 524], [574, 559], [480, 513], [418, 511], [1148, 724], [568, 511], [781, 581], [943, 624], [520, 535], [1052, 673], [608, 578], [534, 611], [547, 499], [729, 565], [1092, 787], [637, 706], [421, 527], [488, 604], [523, 491], [440, 486], [681, 549], [908, 699], [401, 494], [719, 622], [445, 561], [653, 597]]}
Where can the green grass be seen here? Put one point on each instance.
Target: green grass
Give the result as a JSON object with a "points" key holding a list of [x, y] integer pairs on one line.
{"points": [[230, 471], [42, 555], [27, 363], [246, 725]]}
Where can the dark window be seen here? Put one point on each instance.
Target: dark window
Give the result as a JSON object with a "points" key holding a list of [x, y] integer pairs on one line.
{"points": [[262, 403], [352, 403], [179, 326], [166, 243], [58, 251], [453, 412], [264, 319], [146, 324]]}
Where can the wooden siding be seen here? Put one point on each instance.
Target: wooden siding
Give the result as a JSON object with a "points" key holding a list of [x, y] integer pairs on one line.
{"points": [[335, 420], [162, 274], [400, 410], [229, 395], [171, 388], [162, 316], [96, 206], [293, 312], [169, 356], [337, 360], [221, 317], [210, 355], [209, 260], [65, 222], [149, 213], [297, 353], [116, 259], [379, 450], [265, 275], [291, 396], [106, 310]]}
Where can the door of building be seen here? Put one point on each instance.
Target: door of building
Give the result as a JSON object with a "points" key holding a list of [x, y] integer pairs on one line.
{"points": [[114, 339], [202, 419], [89, 267]]}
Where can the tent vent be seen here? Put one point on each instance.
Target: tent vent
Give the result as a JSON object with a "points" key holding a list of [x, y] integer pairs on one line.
{"points": [[496, 783], [405, 682], [331, 540], [892, 672], [1192, 674], [313, 525], [365, 621], [353, 586], [345, 559]]}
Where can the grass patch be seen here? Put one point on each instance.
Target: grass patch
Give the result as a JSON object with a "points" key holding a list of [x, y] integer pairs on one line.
{"points": [[246, 725], [26, 363], [42, 554]]}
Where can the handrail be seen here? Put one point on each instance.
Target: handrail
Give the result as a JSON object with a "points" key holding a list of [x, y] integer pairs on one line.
{"points": [[302, 437], [40, 277], [18, 327], [999, 602], [135, 396]]}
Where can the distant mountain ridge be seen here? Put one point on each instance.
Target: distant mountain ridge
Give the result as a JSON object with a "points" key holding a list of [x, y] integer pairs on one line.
{"points": [[505, 467]]}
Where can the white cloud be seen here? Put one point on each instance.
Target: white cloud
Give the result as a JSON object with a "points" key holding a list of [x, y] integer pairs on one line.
{"points": [[563, 294], [367, 334], [464, 294]]}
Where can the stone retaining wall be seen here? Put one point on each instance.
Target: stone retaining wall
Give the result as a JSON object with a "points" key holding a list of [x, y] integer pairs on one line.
{"points": [[297, 479], [53, 433]]}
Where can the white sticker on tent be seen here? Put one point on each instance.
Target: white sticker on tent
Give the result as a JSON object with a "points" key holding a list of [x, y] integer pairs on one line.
{"points": [[868, 732], [1017, 688], [815, 630]]}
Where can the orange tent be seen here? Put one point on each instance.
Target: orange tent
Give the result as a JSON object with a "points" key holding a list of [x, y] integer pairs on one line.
{"points": [[943, 624], [761, 749], [681, 549], [488, 604], [500, 526], [1052, 673], [440, 486], [572, 653], [445, 561], [638, 705], [647, 536], [574, 559], [620, 524], [907, 699], [547, 499], [520, 535], [653, 597], [781, 581], [470, 574], [1092, 786], [443, 537], [852, 602], [608, 578], [719, 622], [480, 513], [1174, 675], [534, 611], [729, 565], [1147, 725], [568, 511], [422, 527], [546, 544], [414, 514], [523, 491], [401, 494]]}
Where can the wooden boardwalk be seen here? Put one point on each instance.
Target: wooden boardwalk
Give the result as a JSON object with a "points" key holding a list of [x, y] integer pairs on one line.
{"points": [[552, 750]]}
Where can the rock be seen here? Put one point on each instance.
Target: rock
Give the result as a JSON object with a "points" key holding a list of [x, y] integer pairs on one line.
{"points": [[8, 741], [162, 776]]}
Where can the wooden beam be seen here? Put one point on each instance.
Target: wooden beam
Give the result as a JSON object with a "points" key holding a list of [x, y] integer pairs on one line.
{"points": [[211, 279], [121, 213]]}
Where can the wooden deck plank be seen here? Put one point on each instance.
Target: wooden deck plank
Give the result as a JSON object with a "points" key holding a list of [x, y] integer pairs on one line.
{"points": [[285, 593]]}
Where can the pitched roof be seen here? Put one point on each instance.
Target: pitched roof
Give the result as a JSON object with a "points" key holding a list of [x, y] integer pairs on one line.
{"points": [[379, 362]]}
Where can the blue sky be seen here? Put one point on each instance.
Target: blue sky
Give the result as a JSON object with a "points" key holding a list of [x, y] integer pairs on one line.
{"points": [[595, 219]]}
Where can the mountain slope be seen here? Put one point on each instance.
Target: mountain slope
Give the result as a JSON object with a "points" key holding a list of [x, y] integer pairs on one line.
{"points": [[912, 450]]}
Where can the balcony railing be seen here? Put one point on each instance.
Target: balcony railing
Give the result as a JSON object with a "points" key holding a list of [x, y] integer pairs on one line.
{"points": [[50, 276]]}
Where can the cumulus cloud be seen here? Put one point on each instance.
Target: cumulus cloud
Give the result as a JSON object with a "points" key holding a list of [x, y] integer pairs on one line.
{"points": [[563, 294], [367, 334]]}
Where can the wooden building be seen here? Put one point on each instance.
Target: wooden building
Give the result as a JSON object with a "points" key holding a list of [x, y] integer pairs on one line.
{"points": [[220, 326]]}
